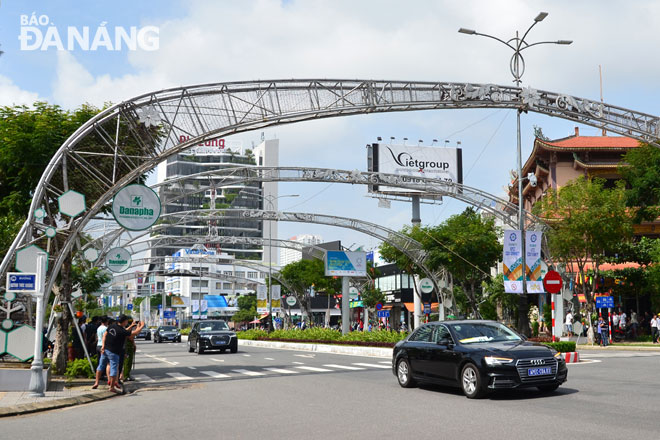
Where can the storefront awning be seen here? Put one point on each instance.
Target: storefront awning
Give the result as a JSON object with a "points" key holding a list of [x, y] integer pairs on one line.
{"points": [[411, 307]]}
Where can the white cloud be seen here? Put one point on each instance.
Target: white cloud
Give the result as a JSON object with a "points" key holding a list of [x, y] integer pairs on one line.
{"points": [[11, 94]]}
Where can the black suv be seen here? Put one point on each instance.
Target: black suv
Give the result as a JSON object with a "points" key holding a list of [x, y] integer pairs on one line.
{"points": [[167, 333], [145, 334], [212, 335]]}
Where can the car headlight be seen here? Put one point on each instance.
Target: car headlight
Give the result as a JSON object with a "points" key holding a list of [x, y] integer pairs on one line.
{"points": [[494, 360], [557, 355]]}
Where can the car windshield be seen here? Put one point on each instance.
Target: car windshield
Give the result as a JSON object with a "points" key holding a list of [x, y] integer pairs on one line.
{"points": [[213, 326], [168, 328], [474, 333]]}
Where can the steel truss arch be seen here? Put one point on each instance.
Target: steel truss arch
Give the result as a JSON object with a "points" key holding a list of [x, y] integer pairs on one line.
{"points": [[166, 122]]}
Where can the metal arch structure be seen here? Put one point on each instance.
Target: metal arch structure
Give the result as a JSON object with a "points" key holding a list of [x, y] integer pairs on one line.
{"points": [[166, 122], [429, 187]]}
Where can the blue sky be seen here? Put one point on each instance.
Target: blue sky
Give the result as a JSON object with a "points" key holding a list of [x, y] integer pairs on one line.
{"points": [[213, 41]]}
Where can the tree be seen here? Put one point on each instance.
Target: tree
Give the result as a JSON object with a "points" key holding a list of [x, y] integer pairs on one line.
{"points": [[302, 275], [247, 308], [640, 169], [467, 246], [587, 222]]}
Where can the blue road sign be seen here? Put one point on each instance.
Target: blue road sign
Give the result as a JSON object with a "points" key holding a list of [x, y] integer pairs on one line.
{"points": [[383, 313], [21, 282], [160, 306], [169, 314], [605, 302], [129, 306], [427, 308]]}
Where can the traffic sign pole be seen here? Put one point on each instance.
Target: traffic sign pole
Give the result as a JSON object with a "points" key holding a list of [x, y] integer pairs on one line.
{"points": [[37, 385], [553, 317]]}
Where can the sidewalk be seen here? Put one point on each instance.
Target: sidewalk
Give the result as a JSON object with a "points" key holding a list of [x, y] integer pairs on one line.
{"points": [[58, 396]]}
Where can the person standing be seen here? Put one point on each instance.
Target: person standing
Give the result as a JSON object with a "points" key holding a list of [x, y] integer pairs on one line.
{"points": [[654, 328], [569, 323], [112, 348], [100, 332], [634, 323], [129, 356], [603, 332], [615, 321]]}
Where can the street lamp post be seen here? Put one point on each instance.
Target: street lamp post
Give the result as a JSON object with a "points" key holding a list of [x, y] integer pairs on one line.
{"points": [[270, 199], [517, 68]]}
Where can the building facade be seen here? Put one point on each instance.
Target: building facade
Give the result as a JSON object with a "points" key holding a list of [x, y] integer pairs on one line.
{"points": [[288, 256]]}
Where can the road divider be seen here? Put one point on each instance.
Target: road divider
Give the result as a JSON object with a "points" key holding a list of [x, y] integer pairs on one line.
{"points": [[381, 352]]}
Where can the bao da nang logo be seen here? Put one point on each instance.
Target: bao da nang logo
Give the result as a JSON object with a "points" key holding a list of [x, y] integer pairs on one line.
{"points": [[39, 33]]}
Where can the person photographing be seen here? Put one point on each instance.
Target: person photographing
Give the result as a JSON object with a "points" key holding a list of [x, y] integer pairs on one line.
{"points": [[112, 349]]}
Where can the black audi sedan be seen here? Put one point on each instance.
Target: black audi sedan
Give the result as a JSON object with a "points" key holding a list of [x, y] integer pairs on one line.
{"points": [[478, 356], [212, 335], [167, 333]]}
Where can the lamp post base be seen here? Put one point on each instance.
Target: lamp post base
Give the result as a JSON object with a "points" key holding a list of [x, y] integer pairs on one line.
{"points": [[37, 385]]}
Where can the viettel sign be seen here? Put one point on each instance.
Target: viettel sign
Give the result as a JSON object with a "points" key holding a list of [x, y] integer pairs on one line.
{"points": [[136, 207]]}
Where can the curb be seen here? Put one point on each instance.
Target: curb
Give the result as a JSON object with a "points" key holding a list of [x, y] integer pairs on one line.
{"points": [[571, 357], [28, 408], [614, 347], [380, 352]]}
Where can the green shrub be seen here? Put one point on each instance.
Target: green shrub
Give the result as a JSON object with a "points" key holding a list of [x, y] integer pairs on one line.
{"points": [[80, 368], [324, 335], [561, 346], [644, 338], [253, 334], [185, 331]]}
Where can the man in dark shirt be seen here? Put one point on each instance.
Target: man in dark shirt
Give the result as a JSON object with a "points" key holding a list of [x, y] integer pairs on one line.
{"points": [[112, 348]]}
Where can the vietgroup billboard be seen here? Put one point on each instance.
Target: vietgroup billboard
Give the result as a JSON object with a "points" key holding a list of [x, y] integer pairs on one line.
{"points": [[409, 162]]}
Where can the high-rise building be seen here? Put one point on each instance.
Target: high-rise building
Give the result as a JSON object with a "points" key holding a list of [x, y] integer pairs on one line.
{"points": [[288, 256], [213, 155]]}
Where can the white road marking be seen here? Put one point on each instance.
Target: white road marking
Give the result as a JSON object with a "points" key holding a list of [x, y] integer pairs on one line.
{"points": [[386, 362], [179, 376], [305, 355], [361, 364], [217, 360], [281, 370], [248, 372], [247, 355], [269, 359], [343, 367], [161, 359], [143, 378], [584, 361], [192, 368], [320, 370], [298, 363], [214, 374]]}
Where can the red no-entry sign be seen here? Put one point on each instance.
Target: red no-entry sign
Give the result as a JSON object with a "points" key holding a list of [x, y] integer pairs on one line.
{"points": [[552, 282]]}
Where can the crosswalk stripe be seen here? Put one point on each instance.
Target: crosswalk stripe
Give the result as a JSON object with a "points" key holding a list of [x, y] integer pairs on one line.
{"points": [[386, 362], [215, 374], [192, 368], [248, 372], [269, 359], [247, 355], [313, 369], [179, 376], [343, 367], [370, 365], [217, 360], [143, 378], [298, 363], [281, 370]]}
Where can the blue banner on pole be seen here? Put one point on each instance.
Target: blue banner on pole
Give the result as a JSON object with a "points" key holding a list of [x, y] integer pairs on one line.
{"points": [[604, 302]]}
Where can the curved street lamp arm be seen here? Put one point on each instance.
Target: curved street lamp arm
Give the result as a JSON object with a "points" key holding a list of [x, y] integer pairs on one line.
{"points": [[497, 39], [522, 40], [538, 43]]}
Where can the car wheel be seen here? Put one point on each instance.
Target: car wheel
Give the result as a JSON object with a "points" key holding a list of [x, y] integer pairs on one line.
{"points": [[190, 347], [471, 381], [548, 388], [155, 340], [233, 348], [198, 348], [404, 374]]}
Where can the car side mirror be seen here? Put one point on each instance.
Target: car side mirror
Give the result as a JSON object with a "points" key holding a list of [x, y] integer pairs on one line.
{"points": [[447, 342]]}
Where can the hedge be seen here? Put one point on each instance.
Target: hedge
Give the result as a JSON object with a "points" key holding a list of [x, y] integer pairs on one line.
{"points": [[561, 346], [378, 338]]}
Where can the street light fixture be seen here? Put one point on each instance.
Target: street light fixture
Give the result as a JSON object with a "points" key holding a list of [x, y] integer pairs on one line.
{"points": [[517, 68], [270, 199]]}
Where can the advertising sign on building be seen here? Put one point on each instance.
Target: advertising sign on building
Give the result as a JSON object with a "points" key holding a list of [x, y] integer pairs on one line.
{"points": [[136, 207], [512, 262], [410, 161], [534, 271], [180, 301], [118, 259], [346, 264]]}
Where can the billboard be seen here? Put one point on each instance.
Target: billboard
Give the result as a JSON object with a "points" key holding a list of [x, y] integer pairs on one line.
{"points": [[410, 161], [534, 278], [346, 264]]}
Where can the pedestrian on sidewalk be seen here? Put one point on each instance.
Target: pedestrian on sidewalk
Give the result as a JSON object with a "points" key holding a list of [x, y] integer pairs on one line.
{"points": [[654, 328], [603, 332], [569, 323], [129, 356]]}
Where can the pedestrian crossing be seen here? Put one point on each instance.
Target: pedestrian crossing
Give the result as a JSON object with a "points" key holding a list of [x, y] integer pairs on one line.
{"points": [[196, 374]]}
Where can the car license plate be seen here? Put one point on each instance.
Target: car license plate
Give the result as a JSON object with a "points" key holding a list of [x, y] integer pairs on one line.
{"points": [[539, 371]]}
